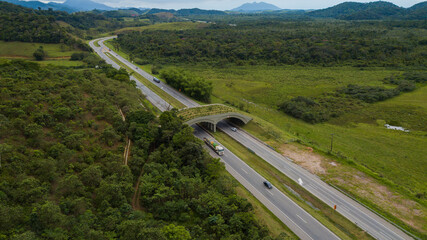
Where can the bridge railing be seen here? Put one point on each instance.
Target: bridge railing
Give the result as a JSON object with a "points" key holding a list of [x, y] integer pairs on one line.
{"points": [[204, 110]]}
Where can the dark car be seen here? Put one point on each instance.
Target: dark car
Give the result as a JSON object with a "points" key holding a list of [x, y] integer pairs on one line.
{"points": [[268, 184], [156, 80]]}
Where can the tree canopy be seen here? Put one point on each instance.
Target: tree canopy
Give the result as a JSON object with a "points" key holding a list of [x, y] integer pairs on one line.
{"points": [[63, 174]]}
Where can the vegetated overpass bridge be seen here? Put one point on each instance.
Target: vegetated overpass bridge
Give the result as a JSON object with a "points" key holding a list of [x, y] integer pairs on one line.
{"points": [[210, 114]]}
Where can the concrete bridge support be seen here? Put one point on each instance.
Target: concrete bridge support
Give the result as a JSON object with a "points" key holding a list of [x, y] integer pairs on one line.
{"points": [[211, 126], [212, 120]]}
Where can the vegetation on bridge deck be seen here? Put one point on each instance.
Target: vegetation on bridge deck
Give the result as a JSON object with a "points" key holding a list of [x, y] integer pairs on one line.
{"points": [[206, 110]]}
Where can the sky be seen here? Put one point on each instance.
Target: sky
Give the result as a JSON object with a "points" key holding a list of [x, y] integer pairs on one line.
{"points": [[230, 4]]}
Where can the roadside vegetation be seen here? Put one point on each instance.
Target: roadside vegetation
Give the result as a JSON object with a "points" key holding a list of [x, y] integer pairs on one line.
{"points": [[174, 103], [63, 164], [191, 85], [349, 90]]}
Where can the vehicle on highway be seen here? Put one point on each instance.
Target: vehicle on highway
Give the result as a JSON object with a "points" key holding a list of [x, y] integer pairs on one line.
{"points": [[268, 184], [156, 80], [215, 146], [234, 129]]}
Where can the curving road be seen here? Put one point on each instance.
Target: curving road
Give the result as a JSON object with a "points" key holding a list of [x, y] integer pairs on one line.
{"points": [[358, 214]]}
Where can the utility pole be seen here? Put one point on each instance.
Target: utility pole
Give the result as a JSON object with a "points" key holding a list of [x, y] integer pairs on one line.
{"points": [[332, 140]]}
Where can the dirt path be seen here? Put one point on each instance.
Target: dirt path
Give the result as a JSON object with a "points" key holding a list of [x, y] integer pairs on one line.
{"points": [[137, 192], [126, 153]]}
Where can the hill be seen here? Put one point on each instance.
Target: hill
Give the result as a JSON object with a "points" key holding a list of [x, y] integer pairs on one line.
{"points": [[256, 7], [41, 5], [371, 11], [25, 25], [50, 26], [67, 6], [86, 5], [418, 11], [418, 6]]}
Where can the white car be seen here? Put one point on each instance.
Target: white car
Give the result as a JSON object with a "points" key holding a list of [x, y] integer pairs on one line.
{"points": [[234, 129]]}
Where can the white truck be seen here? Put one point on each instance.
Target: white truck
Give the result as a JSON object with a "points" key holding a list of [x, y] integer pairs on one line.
{"points": [[215, 146]]}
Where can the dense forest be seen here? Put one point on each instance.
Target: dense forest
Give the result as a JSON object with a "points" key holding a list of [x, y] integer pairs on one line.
{"points": [[275, 42], [46, 26], [63, 174], [20, 24]]}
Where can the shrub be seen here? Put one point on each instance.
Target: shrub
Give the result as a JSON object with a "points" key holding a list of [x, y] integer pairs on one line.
{"points": [[305, 108], [191, 85], [39, 54], [369, 94]]}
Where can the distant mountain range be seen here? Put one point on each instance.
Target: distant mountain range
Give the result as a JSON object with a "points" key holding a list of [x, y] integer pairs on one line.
{"points": [[68, 6], [371, 11], [86, 5], [256, 7], [346, 11]]}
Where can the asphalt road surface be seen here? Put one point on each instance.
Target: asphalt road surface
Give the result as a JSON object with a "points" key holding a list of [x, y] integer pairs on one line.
{"points": [[298, 220], [358, 214]]}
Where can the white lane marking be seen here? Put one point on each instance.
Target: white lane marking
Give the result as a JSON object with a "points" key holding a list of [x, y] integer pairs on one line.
{"points": [[270, 193], [244, 171], [384, 235], [301, 218]]}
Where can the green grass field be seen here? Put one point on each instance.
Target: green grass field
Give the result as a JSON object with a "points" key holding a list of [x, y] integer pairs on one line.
{"points": [[396, 157], [26, 50], [64, 63], [96, 43], [271, 85], [165, 26]]}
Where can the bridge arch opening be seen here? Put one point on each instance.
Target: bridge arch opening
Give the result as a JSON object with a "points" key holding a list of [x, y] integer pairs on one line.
{"points": [[236, 121]]}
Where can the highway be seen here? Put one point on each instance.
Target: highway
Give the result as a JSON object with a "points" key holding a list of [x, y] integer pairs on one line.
{"points": [[358, 214], [299, 221]]}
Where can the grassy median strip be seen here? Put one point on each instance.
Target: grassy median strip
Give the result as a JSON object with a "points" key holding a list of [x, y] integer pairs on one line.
{"points": [[110, 46], [96, 44], [168, 98], [337, 223]]}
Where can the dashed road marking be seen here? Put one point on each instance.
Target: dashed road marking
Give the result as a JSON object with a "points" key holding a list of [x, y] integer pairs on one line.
{"points": [[301, 218]]}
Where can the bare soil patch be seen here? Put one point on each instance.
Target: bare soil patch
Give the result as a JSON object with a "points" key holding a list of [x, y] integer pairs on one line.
{"points": [[359, 184], [305, 157]]}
